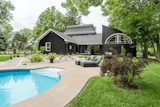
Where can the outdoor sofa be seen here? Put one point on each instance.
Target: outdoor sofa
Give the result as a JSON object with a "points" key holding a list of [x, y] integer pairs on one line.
{"points": [[77, 62], [93, 63]]}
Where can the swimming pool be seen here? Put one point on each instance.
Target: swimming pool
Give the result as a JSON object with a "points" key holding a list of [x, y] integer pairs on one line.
{"points": [[19, 85]]}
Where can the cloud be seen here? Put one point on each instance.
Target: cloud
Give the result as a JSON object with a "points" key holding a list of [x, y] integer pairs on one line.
{"points": [[27, 12]]}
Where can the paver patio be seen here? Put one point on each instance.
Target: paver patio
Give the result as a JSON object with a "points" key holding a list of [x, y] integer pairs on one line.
{"points": [[73, 79]]}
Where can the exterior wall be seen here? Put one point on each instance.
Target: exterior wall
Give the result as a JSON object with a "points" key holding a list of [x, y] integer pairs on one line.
{"points": [[118, 48], [73, 50], [106, 32], [57, 43]]}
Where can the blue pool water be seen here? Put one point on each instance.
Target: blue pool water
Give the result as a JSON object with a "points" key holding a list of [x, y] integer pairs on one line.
{"points": [[19, 85]]}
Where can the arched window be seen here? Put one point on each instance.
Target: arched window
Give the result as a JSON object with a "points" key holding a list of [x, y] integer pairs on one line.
{"points": [[118, 38]]}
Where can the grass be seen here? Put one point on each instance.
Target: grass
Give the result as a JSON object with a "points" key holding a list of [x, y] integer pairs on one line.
{"points": [[101, 92], [5, 57]]}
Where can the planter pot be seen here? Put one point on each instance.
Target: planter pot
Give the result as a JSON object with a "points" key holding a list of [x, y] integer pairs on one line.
{"points": [[51, 60], [11, 57]]}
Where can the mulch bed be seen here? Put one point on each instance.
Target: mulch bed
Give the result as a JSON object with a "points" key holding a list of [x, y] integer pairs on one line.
{"points": [[128, 86]]}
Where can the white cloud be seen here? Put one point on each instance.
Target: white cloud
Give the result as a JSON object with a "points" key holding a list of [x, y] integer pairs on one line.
{"points": [[27, 12]]}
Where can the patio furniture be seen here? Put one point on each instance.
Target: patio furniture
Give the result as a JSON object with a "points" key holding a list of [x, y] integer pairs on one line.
{"points": [[77, 62], [27, 53], [93, 63]]}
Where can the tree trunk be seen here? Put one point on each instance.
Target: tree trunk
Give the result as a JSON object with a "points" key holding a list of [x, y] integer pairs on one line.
{"points": [[145, 52], [158, 48], [154, 50]]}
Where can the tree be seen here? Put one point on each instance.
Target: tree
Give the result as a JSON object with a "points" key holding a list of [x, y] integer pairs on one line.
{"points": [[7, 32], [72, 16], [5, 17], [5, 14], [50, 18], [19, 40], [2, 42]]}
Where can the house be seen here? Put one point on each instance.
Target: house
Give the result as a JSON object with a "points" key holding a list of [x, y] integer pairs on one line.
{"points": [[83, 39]]}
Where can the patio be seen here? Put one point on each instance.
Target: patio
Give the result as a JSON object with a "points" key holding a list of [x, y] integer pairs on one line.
{"points": [[73, 79]]}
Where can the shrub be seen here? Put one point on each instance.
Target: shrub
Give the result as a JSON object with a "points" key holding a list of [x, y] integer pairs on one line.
{"points": [[124, 71], [67, 54], [123, 51], [42, 48], [52, 55], [35, 58]]}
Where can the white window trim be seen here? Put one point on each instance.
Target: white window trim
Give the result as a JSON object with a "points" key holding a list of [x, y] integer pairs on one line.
{"points": [[49, 46]]}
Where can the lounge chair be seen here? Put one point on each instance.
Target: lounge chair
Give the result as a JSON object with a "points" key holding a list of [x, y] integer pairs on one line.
{"points": [[77, 62], [93, 63]]}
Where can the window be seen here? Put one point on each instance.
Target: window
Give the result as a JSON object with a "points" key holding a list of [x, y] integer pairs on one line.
{"points": [[118, 38], [48, 46]]}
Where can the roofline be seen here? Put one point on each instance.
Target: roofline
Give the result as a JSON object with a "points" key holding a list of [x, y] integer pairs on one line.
{"points": [[89, 43], [79, 25], [47, 32], [81, 33]]}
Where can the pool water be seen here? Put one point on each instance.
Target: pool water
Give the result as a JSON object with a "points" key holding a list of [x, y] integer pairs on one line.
{"points": [[19, 85]]}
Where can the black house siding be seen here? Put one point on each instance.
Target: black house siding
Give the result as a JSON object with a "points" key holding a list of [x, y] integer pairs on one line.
{"points": [[57, 43], [106, 32]]}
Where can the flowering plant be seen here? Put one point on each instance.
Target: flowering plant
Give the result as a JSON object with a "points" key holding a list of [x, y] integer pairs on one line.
{"points": [[106, 53]]}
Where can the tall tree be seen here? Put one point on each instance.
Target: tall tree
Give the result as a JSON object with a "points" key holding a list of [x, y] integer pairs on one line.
{"points": [[5, 17], [50, 18], [72, 16], [19, 40], [5, 14]]}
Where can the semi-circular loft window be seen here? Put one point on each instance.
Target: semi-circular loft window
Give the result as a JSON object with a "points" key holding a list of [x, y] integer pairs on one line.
{"points": [[118, 38]]}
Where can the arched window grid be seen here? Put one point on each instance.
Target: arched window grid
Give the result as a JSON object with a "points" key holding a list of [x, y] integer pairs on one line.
{"points": [[118, 37]]}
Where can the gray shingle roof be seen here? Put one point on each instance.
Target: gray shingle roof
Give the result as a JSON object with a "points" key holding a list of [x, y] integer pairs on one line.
{"points": [[80, 29], [68, 38], [88, 39]]}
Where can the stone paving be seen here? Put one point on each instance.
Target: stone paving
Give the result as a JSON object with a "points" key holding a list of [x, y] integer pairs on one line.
{"points": [[73, 79]]}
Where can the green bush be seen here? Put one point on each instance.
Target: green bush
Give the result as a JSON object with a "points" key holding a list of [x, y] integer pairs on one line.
{"points": [[42, 48], [35, 57], [52, 55], [123, 51]]}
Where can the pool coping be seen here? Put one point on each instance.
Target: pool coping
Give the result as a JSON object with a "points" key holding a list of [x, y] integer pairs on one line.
{"points": [[73, 79]]}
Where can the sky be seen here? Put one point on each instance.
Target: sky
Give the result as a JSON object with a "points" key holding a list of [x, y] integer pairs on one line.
{"points": [[27, 12]]}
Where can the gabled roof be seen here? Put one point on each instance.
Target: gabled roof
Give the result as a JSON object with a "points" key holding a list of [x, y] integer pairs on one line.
{"points": [[80, 29], [88, 38], [62, 35]]}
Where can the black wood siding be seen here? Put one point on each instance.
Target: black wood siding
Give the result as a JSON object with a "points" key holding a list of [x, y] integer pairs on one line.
{"points": [[57, 43], [106, 32]]}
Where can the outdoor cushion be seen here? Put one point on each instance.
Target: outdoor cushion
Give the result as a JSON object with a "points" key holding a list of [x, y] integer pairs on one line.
{"points": [[95, 59], [93, 63]]}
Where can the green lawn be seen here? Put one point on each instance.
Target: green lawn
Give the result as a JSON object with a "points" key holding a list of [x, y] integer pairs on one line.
{"points": [[100, 91], [5, 57]]}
